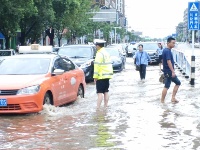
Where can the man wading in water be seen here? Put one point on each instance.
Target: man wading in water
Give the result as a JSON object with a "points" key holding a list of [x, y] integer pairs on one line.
{"points": [[169, 73]]}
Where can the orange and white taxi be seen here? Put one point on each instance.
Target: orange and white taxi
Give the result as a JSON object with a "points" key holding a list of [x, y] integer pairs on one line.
{"points": [[29, 81]]}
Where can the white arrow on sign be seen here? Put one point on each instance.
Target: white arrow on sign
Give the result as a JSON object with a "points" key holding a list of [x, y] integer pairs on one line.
{"points": [[191, 23]]}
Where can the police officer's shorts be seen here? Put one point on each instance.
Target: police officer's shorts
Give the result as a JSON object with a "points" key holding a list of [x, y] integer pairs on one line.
{"points": [[102, 85], [169, 79]]}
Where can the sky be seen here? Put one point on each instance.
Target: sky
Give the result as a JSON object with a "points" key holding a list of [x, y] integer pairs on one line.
{"points": [[155, 18]]}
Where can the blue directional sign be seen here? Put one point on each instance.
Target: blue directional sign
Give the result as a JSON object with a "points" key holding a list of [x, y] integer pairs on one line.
{"points": [[174, 34], [193, 15]]}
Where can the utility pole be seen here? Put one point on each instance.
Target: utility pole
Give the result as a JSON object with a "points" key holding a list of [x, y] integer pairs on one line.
{"points": [[116, 33]]}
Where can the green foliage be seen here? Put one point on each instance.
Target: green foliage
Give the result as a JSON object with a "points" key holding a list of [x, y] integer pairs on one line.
{"points": [[33, 17], [34, 22], [77, 18], [11, 12], [10, 15]]}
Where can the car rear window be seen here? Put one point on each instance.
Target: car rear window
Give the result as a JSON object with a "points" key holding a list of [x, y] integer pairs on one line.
{"points": [[5, 53], [112, 51], [150, 46], [76, 52]]}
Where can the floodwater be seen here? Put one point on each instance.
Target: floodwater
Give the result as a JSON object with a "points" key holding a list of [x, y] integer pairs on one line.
{"points": [[134, 120]]}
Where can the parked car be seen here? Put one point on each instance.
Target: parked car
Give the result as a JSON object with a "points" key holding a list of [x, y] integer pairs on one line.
{"points": [[31, 80], [118, 60], [6, 53], [55, 49], [10, 52], [83, 56], [63, 45], [131, 49], [196, 45], [151, 49], [119, 47]]}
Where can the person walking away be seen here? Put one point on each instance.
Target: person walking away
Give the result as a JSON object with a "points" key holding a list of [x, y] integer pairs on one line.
{"points": [[141, 58], [169, 73], [159, 52], [103, 72]]}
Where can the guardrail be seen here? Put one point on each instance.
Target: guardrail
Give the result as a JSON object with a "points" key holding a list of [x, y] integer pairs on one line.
{"points": [[182, 62]]}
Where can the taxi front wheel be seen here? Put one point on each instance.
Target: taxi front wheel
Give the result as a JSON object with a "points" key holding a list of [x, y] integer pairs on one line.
{"points": [[80, 91], [47, 99]]}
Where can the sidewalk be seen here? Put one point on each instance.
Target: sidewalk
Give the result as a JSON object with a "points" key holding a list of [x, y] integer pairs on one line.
{"points": [[187, 50]]}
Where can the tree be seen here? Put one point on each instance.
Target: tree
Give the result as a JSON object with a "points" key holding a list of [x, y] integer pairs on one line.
{"points": [[121, 32], [77, 18], [61, 8], [106, 28], [35, 22], [11, 12]]}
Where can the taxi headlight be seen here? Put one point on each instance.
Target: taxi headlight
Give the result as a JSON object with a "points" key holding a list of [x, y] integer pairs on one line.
{"points": [[85, 65], [29, 90]]}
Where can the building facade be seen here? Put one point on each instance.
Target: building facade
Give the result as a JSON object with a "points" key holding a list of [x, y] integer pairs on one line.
{"points": [[180, 35], [185, 25], [112, 11], [106, 3]]}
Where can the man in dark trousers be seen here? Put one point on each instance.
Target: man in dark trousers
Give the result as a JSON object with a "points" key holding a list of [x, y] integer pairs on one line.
{"points": [[50, 33], [168, 69]]}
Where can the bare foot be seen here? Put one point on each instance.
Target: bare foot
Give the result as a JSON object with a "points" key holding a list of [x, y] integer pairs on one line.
{"points": [[174, 101], [162, 101]]}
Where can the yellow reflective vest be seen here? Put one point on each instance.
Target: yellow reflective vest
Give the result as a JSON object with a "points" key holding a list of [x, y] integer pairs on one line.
{"points": [[102, 65]]}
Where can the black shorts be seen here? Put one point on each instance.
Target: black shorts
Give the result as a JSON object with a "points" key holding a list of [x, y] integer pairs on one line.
{"points": [[169, 79], [160, 59], [102, 85]]}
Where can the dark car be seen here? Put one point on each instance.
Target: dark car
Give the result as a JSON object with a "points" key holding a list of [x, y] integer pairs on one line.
{"points": [[55, 49], [118, 60], [120, 47], [151, 49], [131, 49], [5, 53], [83, 56]]}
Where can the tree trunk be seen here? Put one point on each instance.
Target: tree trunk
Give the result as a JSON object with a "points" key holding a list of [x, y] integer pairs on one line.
{"points": [[7, 42], [59, 42], [59, 39], [22, 39], [108, 41]]}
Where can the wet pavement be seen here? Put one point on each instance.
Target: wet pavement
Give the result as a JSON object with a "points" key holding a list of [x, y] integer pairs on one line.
{"points": [[134, 120]]}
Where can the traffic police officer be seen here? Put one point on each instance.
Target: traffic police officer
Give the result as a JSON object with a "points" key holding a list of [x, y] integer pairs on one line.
{"points": [[103, 71]]}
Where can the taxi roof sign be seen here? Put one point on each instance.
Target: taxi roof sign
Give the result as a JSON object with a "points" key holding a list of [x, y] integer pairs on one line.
{"points": [[35, 49]]}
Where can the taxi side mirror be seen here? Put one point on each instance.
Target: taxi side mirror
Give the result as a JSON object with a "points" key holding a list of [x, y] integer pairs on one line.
{"points": [[58, 72]]}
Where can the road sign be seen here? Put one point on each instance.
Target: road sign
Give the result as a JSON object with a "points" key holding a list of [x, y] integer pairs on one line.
{"points": [[193, 15], [174, 34]]}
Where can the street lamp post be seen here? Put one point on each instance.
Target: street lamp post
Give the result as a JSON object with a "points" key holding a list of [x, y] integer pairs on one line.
{"points": [[116, 33]]}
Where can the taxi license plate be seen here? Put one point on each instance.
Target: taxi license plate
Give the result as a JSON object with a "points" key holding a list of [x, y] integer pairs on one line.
{"points": [[3, 102]]}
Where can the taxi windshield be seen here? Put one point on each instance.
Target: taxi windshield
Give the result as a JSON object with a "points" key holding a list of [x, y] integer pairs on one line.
{"points": [[24, 66], [76, 52]]}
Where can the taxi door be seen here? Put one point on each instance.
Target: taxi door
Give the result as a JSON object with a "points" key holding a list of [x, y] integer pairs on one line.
{"points": [[71, 75], [61, 91]]}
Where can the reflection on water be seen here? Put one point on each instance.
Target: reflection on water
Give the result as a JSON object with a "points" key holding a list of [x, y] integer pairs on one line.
{"points": [[103, 135], [135, 119]]}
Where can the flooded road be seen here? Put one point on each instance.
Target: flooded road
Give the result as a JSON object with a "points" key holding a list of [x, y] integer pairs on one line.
{"points": [[134, 120]]}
